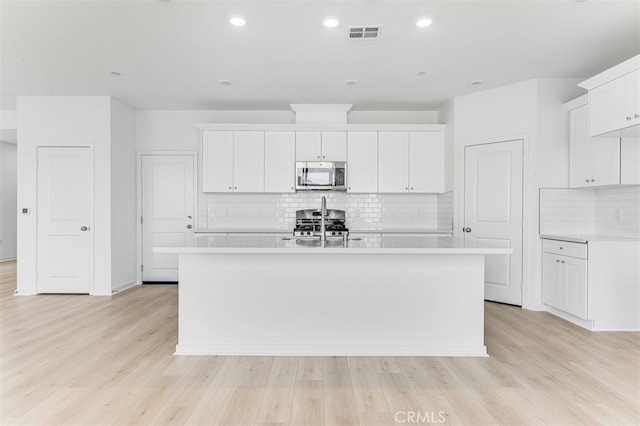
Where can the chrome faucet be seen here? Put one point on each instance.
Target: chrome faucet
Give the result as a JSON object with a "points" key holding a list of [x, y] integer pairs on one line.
{"points": [[323, 213]]}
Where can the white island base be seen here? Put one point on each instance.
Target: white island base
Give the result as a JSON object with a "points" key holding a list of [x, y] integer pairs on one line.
{"points": [[331, 302]]}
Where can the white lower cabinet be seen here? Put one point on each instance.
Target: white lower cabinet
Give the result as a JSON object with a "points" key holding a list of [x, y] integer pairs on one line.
{"points": [[564, 282], [595, 284]]}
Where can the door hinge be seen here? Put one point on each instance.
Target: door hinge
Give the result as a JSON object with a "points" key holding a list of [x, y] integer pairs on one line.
{"points": [[141, 268], [140, 219]]}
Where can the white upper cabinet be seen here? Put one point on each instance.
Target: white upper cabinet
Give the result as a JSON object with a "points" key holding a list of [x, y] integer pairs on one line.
{"points": [[594, 161], [308, 146], [630, 161], [279, 159], [232, 161], [248, 155], [411, 162], [362, 162], [217, 161], [426, 162], [615, 105], [334, 146], [321, 146], [614, 99], [393, 161]]}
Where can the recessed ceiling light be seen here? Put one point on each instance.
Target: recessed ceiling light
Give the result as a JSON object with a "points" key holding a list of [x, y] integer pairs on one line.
{"points": [[224, 82], [238, 21], [330, 22], [115, 73], [424, 22], [476, 83], [351, 82], [422, 73]]}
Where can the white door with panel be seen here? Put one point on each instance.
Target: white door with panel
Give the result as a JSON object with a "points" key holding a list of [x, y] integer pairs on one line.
{"points": [[167, 212], [362, 162], [279, 161], [493, 213], [64, 220]]}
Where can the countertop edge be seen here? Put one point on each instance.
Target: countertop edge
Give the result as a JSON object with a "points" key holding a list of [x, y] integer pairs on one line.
{"points": [[331, 250]]}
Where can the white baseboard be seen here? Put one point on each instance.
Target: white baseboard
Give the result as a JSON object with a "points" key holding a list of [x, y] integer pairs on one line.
{"points": [[588, 324], [125, 286], [330, 350]]}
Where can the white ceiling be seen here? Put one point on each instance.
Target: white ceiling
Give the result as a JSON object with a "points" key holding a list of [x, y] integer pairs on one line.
{"points": [[171, 54]]}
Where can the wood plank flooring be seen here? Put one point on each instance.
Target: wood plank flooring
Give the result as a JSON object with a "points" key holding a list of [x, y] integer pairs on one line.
{"points": [[109, 360]]}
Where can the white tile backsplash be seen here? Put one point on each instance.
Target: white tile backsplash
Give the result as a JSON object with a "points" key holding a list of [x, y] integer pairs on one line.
{"points": [[609, 210], [364, 211]]}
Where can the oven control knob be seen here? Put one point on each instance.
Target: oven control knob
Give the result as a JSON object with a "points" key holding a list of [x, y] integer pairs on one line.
{"points": [[333, 233], [308, 233]]}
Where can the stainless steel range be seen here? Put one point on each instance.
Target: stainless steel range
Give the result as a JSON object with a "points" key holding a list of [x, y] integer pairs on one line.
{"points": [[309, 224]]}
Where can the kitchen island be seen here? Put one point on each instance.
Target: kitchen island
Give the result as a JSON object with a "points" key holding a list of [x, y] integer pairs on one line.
{"points": [[264, 295]]}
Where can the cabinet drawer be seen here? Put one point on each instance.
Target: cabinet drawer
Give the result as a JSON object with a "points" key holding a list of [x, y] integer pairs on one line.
{"points": [[565, 248]]}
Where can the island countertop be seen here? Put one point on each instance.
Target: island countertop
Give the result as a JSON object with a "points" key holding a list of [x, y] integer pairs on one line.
{"points": [[372, 245]]}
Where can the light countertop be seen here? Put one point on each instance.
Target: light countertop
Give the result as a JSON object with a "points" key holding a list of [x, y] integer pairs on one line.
{"points": [[585, 238], [289, 230], [371, 245]]}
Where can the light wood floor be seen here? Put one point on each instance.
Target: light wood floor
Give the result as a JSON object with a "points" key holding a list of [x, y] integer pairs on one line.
{"points": [[101, 360]]}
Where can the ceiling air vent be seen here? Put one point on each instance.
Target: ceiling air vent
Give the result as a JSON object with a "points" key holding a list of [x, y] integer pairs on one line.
{"points": [[364, 34]]}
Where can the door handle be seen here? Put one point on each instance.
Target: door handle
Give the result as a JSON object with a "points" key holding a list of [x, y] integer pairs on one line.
{"points": [[84, 228], [189, 226], [466, 229]]}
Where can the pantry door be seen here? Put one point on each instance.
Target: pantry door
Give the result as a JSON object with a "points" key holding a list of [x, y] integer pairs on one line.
{"points": [[493, 213], [167, 212], [64, 215]]}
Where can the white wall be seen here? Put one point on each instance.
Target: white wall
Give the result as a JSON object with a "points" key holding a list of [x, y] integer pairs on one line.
{"points": [[8, 198], [446, 115], [123, 196], [63, 121], [530, 110]]}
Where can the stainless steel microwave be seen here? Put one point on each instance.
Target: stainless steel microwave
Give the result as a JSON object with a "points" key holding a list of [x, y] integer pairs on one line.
{"points": [[321, 175]]}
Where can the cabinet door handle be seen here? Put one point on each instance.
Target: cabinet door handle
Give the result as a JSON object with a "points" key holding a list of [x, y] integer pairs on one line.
{"points": [[561, 248], [636, 115], [562, 261], [412, 188], [189, 226], [84, 228], [557, 261], [318, 157], [587, 180], [406, 188], [467, 229], [628, 118], [230, 188]]}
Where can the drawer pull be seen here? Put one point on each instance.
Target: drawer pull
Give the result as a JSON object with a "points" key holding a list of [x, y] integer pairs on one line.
{"points": [[561, 248], [563, 261]]}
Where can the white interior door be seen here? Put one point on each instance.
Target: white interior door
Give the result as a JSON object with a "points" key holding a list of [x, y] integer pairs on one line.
{"points": [[64, 220], [167, 212], [493, 213]]}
